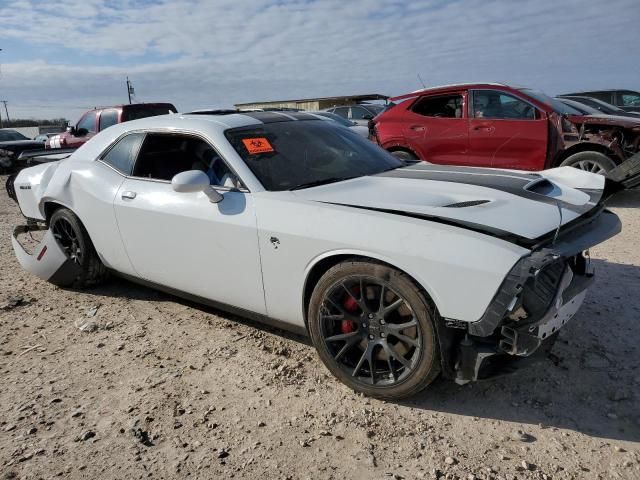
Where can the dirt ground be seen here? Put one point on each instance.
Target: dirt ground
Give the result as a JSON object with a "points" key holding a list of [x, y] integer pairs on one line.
{"points": [[154, 387]]}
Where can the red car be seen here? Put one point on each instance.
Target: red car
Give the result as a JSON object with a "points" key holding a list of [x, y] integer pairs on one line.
{"points": [[494, 125], [98, 119]]}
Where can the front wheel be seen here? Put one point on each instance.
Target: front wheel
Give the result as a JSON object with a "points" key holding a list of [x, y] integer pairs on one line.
{"points": [[373, 329], [74, 241], [594, 162]]}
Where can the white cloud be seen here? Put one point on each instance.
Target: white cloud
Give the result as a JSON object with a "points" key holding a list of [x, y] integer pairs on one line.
{"points": [[199, 53]]}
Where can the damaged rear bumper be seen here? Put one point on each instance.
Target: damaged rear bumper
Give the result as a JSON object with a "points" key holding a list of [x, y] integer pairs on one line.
{"points": [[48, 261]]}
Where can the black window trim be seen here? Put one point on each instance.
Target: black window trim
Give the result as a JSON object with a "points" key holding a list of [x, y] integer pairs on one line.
{"points": [[100, 158], [538, 113]]}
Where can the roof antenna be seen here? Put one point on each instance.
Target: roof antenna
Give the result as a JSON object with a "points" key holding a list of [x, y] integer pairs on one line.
{"points": [[420, 78]]}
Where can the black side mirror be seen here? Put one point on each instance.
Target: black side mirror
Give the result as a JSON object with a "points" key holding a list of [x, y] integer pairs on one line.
{"points": [[81, 132], [71, 129], [367, 117]]}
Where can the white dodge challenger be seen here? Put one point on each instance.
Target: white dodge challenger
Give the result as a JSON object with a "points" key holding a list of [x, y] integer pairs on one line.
{"points": [[398, 273]]}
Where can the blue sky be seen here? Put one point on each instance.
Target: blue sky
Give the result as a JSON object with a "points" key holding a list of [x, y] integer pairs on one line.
{"points": [[60, 58]]}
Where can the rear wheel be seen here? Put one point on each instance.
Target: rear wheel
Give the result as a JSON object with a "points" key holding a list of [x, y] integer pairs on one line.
{"points": [[373, 329], [594, 162], [74, 241]]}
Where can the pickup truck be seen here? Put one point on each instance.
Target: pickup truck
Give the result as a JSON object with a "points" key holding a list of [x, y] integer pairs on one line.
{"points": [[98, 119]]}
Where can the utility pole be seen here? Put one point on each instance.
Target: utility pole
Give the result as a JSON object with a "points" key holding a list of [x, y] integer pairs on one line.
{"points": [[130, 90], [6, 111]]}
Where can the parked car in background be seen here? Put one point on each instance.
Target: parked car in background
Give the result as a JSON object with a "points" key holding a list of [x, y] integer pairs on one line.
{"points": [[494, 125], [628, 100], [599, 105], [43, 137], [295, 221], [360, 113], [12, 144], [98, 119], [359, 129]]}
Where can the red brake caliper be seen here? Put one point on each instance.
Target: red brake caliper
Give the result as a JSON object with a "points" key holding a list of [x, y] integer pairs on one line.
{"points": [[350, 305]]}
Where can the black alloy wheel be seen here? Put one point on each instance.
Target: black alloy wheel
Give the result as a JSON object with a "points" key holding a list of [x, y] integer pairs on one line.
{"points": [[374, 331]]}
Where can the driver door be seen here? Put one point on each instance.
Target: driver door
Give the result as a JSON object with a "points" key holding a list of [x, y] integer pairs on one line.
{"points": [[182, 240]]}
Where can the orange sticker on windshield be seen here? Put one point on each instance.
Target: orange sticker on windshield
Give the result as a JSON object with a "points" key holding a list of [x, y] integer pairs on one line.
{"points": [[257, 145]]}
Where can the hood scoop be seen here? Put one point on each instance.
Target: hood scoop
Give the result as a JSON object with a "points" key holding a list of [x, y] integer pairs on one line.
{"points": [[470, 203]]}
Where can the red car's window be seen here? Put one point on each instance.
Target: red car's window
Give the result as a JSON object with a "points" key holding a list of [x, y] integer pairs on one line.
{"points": [[445, 106]]}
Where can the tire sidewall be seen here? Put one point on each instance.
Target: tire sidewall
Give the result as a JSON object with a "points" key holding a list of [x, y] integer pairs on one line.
{"points": [[91, 269], [428, 365], [600, 158]]}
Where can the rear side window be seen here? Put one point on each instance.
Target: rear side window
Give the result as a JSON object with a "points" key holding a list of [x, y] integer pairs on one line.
{"points": [[446, 106], [108, 118], [359, 113], [123, 154]]}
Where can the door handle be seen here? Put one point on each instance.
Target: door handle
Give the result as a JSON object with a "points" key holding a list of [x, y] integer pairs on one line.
{"points": [[488, 128], [417, 128], [128, 195]]}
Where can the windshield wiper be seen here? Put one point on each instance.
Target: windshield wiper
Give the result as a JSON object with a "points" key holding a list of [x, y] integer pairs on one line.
{"points": [[324, 181]]}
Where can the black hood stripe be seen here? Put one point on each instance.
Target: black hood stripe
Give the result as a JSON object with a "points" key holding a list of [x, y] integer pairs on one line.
{"points": [[475, 227], [507, 182]]}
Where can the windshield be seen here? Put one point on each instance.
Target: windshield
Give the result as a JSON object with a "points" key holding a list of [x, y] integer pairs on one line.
{"points": [[557, 105], [373, 108], [294, 154], [10, 135], [337, 118]]}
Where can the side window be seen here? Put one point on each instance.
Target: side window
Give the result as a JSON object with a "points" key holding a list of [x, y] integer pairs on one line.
{"points": [[498, 105], [630, 100], [359, 113], [108, 118], [342, 111], [122, 155], [88, 122], [446, 106], [163, 156]]}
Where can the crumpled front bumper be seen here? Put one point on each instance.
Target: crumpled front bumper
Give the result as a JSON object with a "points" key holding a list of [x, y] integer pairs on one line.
{"points": [[481, 358], [540, 294], [48, 261]]}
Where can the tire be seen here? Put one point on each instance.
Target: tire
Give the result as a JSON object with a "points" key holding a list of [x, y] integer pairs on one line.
{"points": [[405, 156], [74, 240], [411, 358], [594, 162]]}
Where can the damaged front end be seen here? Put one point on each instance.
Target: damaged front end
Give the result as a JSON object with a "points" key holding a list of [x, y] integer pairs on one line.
{"points": [[540, 294], [44, 258]]}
